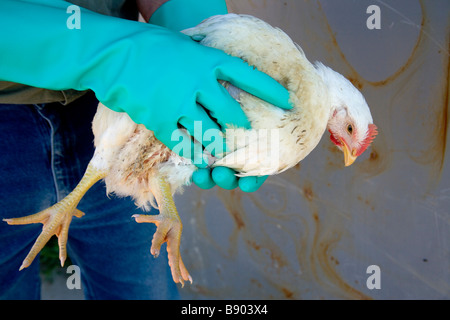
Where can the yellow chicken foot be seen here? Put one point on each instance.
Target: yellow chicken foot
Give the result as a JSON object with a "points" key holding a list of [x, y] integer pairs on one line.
{"points": [[169, 228], [56, 219]]}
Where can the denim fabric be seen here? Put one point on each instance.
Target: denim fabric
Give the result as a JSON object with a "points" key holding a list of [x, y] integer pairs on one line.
{"points": [[44, 152]]}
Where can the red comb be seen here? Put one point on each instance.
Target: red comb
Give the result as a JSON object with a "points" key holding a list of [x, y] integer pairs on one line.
{"points": [[371, 134]]}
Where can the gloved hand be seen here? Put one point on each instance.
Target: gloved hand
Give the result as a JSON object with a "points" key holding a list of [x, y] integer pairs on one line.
{"points": [[159, 77], [179, 15]]}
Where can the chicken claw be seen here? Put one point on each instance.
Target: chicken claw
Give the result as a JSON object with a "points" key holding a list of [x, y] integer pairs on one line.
{"points": [[57, 218], [169, 228], [56, 221]]}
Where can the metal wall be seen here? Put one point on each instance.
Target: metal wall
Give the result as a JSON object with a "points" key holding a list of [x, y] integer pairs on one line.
{"points": [[312, 232]]}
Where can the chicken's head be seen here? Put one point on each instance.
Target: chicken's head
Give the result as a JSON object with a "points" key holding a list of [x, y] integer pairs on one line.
{"points": [[350, 123], [351, 136]]}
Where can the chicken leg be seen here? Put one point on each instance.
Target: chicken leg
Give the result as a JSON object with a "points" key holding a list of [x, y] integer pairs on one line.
{"points": [[57, 218], [168, 230]]}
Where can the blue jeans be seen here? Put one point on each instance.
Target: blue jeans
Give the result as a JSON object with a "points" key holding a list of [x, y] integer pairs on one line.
{"points": [[44, 152]]}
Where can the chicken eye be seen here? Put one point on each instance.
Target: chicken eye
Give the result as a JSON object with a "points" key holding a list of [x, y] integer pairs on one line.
{"points": [[350, 129]]}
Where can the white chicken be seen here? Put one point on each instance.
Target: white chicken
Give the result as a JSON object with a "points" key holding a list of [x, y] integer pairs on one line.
{"points": [[134, 163]]}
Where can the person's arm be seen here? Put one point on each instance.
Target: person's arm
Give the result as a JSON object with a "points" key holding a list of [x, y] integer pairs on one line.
{"points": [[148, 7], [178, 15]]}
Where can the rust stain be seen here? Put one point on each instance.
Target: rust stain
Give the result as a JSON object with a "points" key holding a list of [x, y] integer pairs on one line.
{"points": [[443, 119], [287, 293], [256, 283], [373, 155], [234, 208], [366, 202], [355, 81], [308, 192], [237, 219], [277, 258], [316, 218], [336, 261], [254, 245], [446, 107]]}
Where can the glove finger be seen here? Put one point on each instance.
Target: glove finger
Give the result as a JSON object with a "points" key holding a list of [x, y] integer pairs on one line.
{"points": [[255, 82], [202, 178], [225, 177], [205, 131], [251, 184], [223, 107]]}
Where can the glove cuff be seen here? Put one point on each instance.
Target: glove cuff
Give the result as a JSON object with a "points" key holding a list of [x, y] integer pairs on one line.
{"points": [[178, 15]]}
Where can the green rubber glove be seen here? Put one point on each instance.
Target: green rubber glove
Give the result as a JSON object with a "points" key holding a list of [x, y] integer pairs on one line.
{"points": [[161, 78], [178, 15]]}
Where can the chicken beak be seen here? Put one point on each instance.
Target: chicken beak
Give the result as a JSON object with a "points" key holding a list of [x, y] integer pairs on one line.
{"points": [[349, 156]]}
